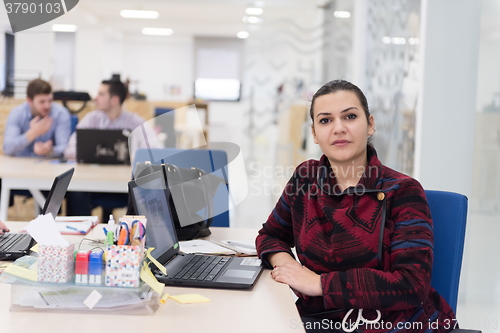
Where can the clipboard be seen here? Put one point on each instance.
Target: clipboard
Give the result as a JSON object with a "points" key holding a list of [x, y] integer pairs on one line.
{"points": [[76, 225]]}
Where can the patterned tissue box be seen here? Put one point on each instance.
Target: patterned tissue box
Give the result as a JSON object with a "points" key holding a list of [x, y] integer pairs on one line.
{"points": [[123, 263], [55, 263]]}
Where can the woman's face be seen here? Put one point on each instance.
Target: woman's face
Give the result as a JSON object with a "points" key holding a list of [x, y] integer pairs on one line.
{"points": [[341, 129]]}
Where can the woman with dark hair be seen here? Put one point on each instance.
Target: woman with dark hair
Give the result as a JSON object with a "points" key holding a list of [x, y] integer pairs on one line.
{"points": [[362, 232]]}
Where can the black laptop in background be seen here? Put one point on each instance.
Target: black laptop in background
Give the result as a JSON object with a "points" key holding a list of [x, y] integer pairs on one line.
{"points": [[102, 146], [15, 245], [150, 195]]}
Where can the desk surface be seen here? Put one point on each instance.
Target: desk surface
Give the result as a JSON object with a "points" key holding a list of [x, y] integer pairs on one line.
{"points": [[28, 167], [25, 173], [268, 307]]}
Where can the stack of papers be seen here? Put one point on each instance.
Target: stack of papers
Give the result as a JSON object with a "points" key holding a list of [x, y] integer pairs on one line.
{"points": [[200, 246], [214, 246], [241, 246]]}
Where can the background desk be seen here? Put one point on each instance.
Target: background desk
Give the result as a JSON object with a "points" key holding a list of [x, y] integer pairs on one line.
{"points": [[268, 307], [20, 173]]}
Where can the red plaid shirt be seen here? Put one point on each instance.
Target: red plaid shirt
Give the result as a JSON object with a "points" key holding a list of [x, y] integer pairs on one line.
{"points": [[337, 235]]}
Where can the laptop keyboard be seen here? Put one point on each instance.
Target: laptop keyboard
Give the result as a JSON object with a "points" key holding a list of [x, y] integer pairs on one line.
{"points": [[202, 268], [8, 241]]}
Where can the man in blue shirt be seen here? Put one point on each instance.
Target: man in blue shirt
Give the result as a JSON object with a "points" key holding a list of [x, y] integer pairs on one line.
{"points": [[37, 127]]}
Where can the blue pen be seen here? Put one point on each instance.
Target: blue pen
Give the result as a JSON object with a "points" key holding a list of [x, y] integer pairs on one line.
{"points": [[75, 229]]}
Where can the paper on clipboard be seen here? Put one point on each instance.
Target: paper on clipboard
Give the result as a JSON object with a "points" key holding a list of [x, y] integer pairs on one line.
{"points": [[76, 225], [203, 247], [94, 219], [241, 246]]}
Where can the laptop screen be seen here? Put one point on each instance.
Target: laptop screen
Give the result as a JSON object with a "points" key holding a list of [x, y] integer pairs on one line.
{"points": [[151, 200], [57, 193], [102, 146]]}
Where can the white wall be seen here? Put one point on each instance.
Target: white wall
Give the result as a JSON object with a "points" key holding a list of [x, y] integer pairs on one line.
{"points": [[159, 63], [88, 57], [488, 84], [154, 64], [64, 61], [445, 114], [34, 52], [112, 56]]}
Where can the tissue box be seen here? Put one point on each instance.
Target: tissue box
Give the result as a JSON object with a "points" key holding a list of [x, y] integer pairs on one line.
{"points": [[55, 263], [123, 263]]}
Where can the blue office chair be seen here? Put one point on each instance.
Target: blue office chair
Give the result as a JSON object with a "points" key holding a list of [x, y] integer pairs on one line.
{"points": [[74, 122], [449, 214], [210, 161]]}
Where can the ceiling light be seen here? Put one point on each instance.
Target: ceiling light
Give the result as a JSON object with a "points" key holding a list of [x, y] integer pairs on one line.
{"points": [[252, 19], [413, 41], [140, 14], [398, 41], [64, 27], [242, 34], [157, 31], [386, 40], [254, 11], [341, 14]]}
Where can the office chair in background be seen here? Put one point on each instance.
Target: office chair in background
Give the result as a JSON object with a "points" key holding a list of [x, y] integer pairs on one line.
{"points": [[449, 214], [210, 161]]}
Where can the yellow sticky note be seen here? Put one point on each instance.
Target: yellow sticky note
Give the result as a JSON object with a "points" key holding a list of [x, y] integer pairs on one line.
{"points": [[164, 298], [190, 298], [23, 272], [150, 279], [154, 261], [35, 248]]}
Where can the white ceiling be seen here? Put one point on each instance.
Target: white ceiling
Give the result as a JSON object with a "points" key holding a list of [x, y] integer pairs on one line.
{"points": [[186, 17], [216, 17]]}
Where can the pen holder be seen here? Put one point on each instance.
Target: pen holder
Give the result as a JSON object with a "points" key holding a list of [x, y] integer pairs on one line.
{"points": [[123, 263], [55, 263]]}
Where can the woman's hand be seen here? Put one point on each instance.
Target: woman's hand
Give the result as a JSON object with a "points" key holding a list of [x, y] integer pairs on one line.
{"points": [[3, 228], [299, 278]]}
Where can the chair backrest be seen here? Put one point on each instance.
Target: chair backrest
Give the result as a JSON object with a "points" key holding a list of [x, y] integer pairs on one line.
{"points": [[74, 122], [449, 214], [210, 161]]}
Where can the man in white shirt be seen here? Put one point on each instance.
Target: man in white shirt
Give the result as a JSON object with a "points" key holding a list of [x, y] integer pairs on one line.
{"points": [[109, 114]]}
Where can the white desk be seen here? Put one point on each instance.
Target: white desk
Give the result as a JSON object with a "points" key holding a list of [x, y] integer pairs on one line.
{"points": [[268, 307], [19, 173]]}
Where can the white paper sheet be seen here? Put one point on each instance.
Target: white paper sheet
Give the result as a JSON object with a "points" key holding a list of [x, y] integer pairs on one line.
{"points": [[203, 246], [45, 231]]}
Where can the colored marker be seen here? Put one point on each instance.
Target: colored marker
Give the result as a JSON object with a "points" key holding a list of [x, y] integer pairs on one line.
{"points": [[95, 268], [82, 267]]}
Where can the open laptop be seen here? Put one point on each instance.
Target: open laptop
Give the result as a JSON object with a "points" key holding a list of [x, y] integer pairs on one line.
{"points": [[15, 245], [150, 196], [102, 146]]}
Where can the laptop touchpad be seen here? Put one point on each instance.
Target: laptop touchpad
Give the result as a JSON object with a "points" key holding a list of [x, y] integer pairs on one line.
{"points": [[239, 273]]}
